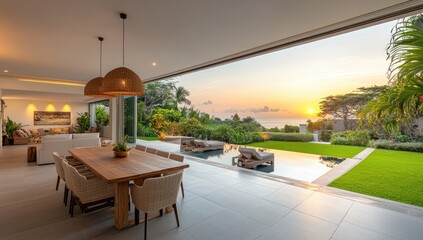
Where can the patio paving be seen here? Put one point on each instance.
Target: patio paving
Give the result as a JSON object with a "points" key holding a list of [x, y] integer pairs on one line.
{"points": [[221, 202]]}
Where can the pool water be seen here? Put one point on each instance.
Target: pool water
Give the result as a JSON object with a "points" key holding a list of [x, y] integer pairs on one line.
{"points": [[300, 166]]}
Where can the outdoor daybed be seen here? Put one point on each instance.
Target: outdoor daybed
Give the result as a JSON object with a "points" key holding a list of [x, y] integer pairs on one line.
{"points": [[201, 145], [250, 158]]}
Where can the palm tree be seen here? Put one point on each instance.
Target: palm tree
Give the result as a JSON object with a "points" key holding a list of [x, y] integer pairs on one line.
{"points": [[405, 51], [181, 96], [401, 102]]}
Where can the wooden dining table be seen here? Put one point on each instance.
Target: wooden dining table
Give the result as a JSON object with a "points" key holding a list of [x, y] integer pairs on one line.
{"points": [[119, 171]]}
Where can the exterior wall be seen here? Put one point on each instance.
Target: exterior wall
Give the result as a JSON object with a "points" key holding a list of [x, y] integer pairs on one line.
{"points": [[338, 124], [22, 111]]}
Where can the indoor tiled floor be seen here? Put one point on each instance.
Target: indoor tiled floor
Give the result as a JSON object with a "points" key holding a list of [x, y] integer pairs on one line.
{"points": [[220, 203]]}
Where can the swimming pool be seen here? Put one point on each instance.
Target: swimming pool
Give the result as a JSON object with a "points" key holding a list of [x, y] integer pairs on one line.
{"points": [[300, 166]]}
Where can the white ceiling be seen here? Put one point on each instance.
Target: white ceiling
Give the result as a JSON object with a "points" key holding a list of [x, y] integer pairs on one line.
{"points": [[57, 39]]}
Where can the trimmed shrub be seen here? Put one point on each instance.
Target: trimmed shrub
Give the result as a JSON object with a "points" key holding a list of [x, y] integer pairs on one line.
{"points": [[224, 133], [145, 131], [290, 137], [326, 135], [403, 146], [338, 140], [402, 138], [354, 138]]}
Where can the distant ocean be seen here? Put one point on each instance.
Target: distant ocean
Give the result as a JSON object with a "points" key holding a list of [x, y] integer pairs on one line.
{"points": [[269, 123]]}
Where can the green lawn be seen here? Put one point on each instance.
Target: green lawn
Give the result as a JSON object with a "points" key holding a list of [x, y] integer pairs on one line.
{"points": [[148, 138], [394, 175], [313, 148]]}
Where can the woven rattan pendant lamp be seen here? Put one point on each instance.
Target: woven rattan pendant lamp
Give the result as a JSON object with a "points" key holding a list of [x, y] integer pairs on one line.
{"points": [[122, 80], [94, 88]]}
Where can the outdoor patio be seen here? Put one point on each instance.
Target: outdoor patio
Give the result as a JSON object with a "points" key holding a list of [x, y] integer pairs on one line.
{"points": [[220, 203]]}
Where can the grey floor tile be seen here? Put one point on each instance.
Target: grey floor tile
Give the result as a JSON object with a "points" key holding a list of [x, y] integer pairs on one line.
{"points": [[386, 221], [324, 206], [289, 196], [254, 208], [204, 188], [253, 189], [348, 231], [227, 225], [298, 226], [203, 207]]}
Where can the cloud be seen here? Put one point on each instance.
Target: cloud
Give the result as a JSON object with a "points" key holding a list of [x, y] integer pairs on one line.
{"points": [[208, 102], [264, 109], [255, 110]]}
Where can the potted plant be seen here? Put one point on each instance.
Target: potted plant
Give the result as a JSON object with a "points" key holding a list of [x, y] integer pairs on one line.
{"points": [[120, 148], [83, 121], [11, 127]]}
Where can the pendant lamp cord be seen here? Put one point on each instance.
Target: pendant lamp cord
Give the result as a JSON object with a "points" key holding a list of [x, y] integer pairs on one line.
{"points": [[101, 54], [123, 37]]}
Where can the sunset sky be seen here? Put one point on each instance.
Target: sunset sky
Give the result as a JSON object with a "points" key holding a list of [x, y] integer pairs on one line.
{"points": [[285, 87]]}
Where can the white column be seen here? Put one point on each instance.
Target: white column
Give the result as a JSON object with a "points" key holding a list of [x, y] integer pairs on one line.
{"points": [[303, 128], [116, 117], [112, 121]]}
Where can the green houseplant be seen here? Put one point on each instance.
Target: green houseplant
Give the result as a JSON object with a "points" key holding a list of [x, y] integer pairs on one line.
{"points": [[120, 148], [11, 127], [83, 122]]}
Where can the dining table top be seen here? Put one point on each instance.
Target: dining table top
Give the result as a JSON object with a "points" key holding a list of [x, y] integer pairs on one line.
{"points": [[138, 164]]}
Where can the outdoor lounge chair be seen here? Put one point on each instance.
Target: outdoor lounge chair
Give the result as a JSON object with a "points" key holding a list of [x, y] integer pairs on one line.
{"points": [[202, 146], [250, 158]]}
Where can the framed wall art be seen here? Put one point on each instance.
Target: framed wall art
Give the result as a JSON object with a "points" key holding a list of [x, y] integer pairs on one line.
{"points": [[52, 118]]}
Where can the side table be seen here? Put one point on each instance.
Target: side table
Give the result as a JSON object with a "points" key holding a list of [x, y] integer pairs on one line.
{"points": [[31, 155]]}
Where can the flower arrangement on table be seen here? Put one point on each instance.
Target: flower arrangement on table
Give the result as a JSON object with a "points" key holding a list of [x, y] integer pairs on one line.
{"points": [[120, 148]]}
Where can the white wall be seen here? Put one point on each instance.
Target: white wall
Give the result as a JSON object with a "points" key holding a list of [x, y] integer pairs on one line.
{"points": [[22, 111]]}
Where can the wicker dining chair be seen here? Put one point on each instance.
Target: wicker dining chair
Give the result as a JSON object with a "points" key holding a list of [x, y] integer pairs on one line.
{"points": [[178, 158], [162, 154], [89, 193], [151, 150], [156, 194], [60, 175], [141, 148]]}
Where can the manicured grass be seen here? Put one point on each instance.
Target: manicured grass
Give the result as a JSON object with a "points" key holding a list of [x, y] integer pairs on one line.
{"points": [[389, 174], [149, 138], [313, 148]]}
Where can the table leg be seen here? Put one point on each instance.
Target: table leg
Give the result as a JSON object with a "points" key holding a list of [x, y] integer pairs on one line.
{"points": [[121, 204]]}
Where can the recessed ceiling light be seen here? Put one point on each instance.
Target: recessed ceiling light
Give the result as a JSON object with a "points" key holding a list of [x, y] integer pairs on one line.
{"points": [[154, 63], [5, 71]]}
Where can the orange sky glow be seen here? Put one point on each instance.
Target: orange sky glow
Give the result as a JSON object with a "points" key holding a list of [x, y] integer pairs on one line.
{"points": [[285, 87]]}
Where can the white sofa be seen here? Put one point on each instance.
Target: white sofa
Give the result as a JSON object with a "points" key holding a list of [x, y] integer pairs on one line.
{"points": [[62, 142]]}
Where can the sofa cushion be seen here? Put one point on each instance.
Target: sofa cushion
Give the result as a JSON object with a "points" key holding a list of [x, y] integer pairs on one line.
{"points": [[85, 135], [27, 132], [34, 131], [21, 133], [56, 130], [57, 137]]}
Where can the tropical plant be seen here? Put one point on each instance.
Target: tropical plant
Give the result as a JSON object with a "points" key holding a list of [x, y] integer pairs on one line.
{"points": [[181, 96], [158, 94], [11, 127], [83, 122], [101, 117], [402, 101], [160, 125]]}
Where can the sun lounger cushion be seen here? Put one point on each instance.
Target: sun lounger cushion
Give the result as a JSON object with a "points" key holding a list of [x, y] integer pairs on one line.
{"points": [[257, 155], [214, 143], [200, 144]]}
